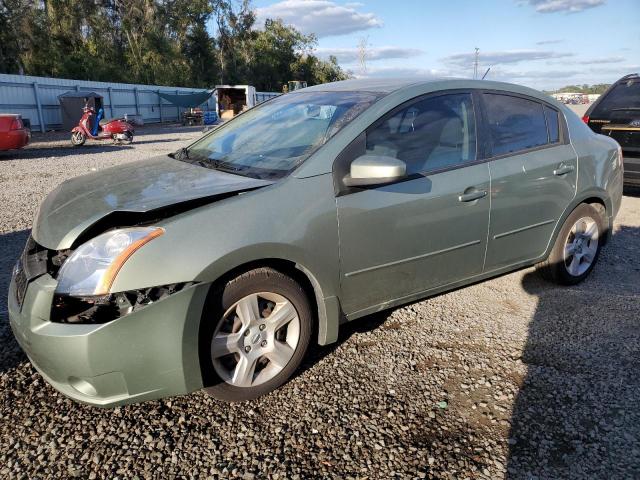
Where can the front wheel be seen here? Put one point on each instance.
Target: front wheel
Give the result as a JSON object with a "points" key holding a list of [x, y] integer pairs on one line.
{"points": [[78, 139], [577, 247], [254, 334]]}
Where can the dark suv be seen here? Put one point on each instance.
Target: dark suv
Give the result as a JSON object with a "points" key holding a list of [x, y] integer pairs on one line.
{"points": [[617, 114]]}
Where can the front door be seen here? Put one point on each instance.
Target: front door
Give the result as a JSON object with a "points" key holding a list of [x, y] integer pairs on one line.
{"points": [[533, 177], [426, 231]]}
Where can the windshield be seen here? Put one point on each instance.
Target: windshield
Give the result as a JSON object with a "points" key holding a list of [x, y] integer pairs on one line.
{"points": [[273, 138]]}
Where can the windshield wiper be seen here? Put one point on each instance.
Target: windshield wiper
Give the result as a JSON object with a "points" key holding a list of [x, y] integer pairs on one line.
{"points": [[184, 155], [180, 154], [227, 167]]}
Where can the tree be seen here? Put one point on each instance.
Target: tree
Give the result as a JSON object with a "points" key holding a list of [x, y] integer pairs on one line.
{"points": [[161, 42]]}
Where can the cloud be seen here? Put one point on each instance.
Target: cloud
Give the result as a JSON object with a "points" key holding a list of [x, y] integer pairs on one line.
{"points": [[568, 6], [532, 74], [350, 55], [507, 56], [404, 72], [321, 17], [549, 42], [594, 61], [588, 61]]}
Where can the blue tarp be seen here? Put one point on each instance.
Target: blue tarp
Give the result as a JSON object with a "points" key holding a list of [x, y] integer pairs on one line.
{"points": [[187, 100]]}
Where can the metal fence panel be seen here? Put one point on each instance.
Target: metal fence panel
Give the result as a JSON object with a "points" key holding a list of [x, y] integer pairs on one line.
{"points": [[36, 98], [264, 96]]}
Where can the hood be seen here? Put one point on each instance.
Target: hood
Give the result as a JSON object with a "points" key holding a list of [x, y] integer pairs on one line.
{"points": [[130, 193]]}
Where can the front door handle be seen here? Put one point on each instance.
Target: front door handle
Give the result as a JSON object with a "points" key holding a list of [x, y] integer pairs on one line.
{"points": [[563, 170], [471, 196]]}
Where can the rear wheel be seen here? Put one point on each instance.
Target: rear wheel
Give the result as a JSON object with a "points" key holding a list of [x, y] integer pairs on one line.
{"points": [[577, 247], [254, 335], [78, 139]]}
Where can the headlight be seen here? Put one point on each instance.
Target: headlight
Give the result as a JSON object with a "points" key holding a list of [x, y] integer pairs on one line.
{"points": [[92, 267]]}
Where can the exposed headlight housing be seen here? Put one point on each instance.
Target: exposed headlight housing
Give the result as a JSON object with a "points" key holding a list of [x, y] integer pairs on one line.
{"points": [[92, 268]]}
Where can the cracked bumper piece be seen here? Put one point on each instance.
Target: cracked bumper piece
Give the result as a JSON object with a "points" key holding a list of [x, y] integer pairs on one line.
{"points": [[147, 354]]}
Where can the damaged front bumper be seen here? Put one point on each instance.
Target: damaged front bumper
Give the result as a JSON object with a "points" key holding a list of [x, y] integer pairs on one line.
{"points": [[143, 355]]}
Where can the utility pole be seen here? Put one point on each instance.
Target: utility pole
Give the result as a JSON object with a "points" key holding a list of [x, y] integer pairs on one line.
{"points": [[475, 64], [363, 46]]}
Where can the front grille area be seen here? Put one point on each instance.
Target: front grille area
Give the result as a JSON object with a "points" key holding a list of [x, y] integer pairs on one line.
{"points": [[38, 260], [35, 261], [21, 282]]}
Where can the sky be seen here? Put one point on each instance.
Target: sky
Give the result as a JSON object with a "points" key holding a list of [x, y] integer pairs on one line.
{"points": [[544, 44]]}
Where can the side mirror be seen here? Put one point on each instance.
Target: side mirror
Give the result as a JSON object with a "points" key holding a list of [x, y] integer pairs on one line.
{"points": [[375, 170]]}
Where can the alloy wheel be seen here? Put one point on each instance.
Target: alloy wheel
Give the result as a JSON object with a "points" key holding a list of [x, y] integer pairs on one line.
{"points": [[581, 246], [255, 340]]}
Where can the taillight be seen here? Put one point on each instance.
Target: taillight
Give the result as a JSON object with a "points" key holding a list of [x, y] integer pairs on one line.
{"points": [[585, 119], [16, 124]]}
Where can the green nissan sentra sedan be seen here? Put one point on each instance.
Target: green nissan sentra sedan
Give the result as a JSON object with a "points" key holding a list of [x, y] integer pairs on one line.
{"points": [[216, 267]]}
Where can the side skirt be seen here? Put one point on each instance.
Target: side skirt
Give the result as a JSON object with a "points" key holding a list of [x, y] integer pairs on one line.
{"points": [[422, 295]]}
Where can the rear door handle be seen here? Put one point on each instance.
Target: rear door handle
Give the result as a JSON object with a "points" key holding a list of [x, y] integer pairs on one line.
{"points": [[471, 196], [563, 170]]}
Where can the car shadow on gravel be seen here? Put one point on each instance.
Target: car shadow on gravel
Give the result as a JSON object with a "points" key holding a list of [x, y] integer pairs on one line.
{"points": [[11, 245], [577, 412], [366, 324], [163, 140], [60, 151]]}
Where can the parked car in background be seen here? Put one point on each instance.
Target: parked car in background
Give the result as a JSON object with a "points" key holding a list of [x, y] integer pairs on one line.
{"points": [[216, 267], [617, 114], [14, 134]]}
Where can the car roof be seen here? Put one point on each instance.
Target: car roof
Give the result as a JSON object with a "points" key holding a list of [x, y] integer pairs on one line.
{"points": [[384, 85], [389, 85]]}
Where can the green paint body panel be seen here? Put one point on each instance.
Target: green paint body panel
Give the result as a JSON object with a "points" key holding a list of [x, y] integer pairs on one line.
{"points": [[408, 236], [147, 354], [362, 252], [526, 184]]}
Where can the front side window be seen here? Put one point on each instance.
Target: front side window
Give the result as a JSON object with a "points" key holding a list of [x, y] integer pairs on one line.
{"points": [[514, 123], [431, 134], [623, 96], [272, 139]]}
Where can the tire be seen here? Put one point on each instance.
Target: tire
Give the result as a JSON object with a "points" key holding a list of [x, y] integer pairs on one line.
{"points": [[129, 139], [242, 354], [566, 267], [78, 139]]}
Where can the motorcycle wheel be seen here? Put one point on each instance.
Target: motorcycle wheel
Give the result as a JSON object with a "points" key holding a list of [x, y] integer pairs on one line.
{"points": [[129, 139], [78, 139]]}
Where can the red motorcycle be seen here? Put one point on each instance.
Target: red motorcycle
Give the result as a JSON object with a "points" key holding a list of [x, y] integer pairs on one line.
{"points": [[96, 128]]}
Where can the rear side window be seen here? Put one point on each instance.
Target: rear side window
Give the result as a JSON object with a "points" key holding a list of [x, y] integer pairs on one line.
{"points": [[552, 124], [515, 123], [623, 96]]}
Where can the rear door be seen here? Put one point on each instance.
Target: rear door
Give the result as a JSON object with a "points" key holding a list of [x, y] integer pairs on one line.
{"points": [[533, 176]]}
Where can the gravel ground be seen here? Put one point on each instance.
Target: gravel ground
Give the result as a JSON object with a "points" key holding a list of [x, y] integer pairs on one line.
{"points": [[510, 378]]}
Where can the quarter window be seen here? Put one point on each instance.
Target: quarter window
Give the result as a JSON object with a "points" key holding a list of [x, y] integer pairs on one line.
{"points": [[515, 123], [553, 126], [431, 134]]}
